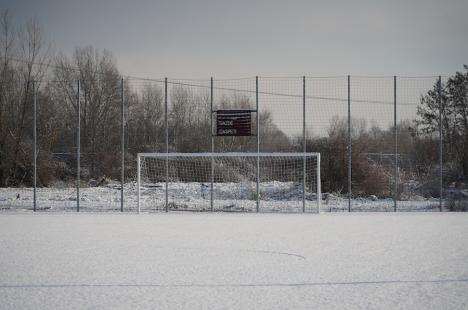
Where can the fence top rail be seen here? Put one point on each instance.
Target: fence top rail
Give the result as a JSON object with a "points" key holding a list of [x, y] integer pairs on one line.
{"points": [[232, 154]]}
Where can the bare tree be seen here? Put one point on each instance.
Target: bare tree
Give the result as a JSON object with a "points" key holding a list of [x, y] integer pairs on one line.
{"points": [[99, 106], [23, 53], [189, 119], [145, 121], [7, 75]]}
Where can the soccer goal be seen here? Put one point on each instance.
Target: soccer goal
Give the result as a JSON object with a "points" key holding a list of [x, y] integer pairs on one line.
{"points": [[251, 182]]}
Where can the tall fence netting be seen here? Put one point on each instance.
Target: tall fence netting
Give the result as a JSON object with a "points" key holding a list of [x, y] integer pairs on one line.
{"points": [[380, 139]]}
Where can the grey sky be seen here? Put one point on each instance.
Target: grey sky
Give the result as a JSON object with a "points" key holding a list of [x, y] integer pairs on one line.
{"points": [[198, 39]]}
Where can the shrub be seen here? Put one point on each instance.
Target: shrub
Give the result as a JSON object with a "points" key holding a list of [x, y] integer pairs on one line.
{"points": [[457, 200]]}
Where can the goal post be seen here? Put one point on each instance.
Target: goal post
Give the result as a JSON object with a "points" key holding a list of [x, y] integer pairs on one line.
{"points": [[269, 182]]}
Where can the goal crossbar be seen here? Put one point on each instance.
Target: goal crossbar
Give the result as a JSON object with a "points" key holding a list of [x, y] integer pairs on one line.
{"points": [[296, 167], [230, 154]]}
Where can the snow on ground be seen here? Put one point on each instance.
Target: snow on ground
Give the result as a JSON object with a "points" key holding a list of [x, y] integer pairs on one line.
{"points": [[233, 261], [275, 197]]}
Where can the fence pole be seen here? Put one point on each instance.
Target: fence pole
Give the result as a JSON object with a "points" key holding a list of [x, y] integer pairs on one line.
{"points": [[212, 143], [258, 144], [78, 148], [319, 185], [349, 144], [304, 148], [122, 176], [138, 182], [35, 143], [441, 163], [396, 142], [167, 142]]}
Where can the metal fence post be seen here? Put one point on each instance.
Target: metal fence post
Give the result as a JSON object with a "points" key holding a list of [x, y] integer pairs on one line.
{"points": [[78, 148], [319, 184], [122, 176], [349, 145], [304, 148], [138, 182], [35, 144], [441, 163], [396, 142], [167, 143], [258, 144], [212, 143]]}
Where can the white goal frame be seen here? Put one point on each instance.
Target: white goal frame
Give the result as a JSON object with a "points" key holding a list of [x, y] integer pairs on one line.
{"points": [[303, 155]]}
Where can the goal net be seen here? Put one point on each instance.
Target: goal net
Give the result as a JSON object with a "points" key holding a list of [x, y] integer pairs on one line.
{"points": [[261, 182]]}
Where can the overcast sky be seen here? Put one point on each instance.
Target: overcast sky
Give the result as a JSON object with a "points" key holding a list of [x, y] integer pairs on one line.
{"points": [[238, 38]]}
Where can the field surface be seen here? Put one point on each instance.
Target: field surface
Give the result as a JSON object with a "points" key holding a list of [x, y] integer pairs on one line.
{"points": [[234, 261]]}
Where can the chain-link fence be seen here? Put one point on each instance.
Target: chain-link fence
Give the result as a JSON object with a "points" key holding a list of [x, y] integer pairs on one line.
{"points": [[386, 143]]}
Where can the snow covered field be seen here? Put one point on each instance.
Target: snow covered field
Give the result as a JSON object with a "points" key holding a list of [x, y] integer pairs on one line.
{"points": [[233, 261]]}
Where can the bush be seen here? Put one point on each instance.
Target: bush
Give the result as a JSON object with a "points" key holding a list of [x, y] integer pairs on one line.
{"points": [[457, 200], [375, 182], [457, 205]]}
